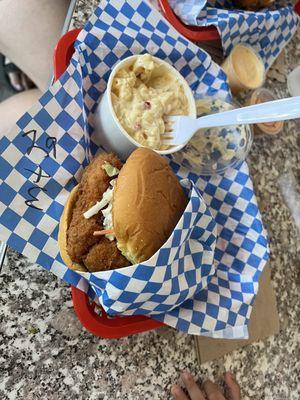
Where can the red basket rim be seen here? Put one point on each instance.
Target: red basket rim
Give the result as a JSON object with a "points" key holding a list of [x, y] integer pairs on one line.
{"points": [[63, 52], [105, 327], [194, 33]]}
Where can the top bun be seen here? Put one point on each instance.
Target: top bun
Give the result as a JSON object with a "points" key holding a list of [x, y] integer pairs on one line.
{"points": [[148, 201]]}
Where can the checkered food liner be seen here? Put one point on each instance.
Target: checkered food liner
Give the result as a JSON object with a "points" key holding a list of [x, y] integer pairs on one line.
{"points": [[181, 268], [268, 30], [41, 160]]}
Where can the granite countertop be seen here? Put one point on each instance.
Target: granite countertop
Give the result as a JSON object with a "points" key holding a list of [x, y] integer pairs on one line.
{"points": [[45, 352]]}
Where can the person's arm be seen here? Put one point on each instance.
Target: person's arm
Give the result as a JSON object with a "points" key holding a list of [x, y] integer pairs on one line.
{"points": [[29, 31]]}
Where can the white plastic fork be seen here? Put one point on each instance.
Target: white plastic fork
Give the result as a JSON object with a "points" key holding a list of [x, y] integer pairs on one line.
{"points": [[181, 128]]}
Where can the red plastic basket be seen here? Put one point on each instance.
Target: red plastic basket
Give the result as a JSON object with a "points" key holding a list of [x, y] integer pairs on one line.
{"points": [[194, 33], [96, 321], [87, 312], [92, 317]]}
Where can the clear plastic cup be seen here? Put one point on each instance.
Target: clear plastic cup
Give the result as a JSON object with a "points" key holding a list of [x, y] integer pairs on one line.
{"points": [[244, 68], [293, 82], [263, 95], [214, 150]]}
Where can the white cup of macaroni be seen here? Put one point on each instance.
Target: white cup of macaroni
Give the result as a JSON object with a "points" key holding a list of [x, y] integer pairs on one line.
{"points": [[112, 133]]}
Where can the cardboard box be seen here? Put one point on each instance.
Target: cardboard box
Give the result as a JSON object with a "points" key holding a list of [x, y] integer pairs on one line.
{"points": [[264, 322]]}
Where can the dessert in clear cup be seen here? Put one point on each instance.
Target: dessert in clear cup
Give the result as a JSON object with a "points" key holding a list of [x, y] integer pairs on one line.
{"points": [[212, 151], [258, 96]]}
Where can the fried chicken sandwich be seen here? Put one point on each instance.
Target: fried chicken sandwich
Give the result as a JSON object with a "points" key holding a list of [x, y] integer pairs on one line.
{"points": [[120, 215]]}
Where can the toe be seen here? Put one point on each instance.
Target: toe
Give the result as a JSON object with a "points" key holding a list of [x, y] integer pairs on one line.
{"points": [[233, 388], [213, 391], [178, 393], [192, 387]]}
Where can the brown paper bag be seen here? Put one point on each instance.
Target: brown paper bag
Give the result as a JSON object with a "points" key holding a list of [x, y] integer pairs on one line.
{"points": [[264, 322]]}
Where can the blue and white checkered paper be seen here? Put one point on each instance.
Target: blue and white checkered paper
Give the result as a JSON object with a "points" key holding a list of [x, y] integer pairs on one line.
{"points": [[42, 157], [268, 30], [177, 272]]}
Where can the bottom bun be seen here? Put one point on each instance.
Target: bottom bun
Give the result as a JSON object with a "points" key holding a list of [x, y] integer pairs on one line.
{"points": [[62, 233]]}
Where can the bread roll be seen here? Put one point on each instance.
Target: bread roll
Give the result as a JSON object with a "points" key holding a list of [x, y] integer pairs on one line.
{"points": [[148, 201]]}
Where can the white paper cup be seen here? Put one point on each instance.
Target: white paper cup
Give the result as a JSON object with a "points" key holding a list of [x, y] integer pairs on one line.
{"points": [[112, 135]]}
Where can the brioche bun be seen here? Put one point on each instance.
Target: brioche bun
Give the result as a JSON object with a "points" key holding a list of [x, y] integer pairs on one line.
{"points": [[148, 201]]}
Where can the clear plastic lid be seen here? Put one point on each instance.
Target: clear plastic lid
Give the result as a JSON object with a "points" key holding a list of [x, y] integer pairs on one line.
{"points": [[263, 95], [212, 151]]}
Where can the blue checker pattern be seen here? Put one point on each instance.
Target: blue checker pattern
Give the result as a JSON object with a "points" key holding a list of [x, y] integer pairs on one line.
{"points": [[142, 289], [268, 31], [206, 274], [240, 255]]}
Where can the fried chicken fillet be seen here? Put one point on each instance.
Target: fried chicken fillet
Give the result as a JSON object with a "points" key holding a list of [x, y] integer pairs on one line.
{"points": [[95, 253]]}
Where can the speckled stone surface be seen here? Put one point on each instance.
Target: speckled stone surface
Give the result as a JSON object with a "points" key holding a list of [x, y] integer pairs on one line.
{"points": [[45, 353]]}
